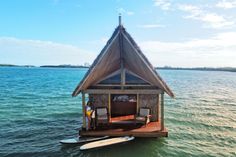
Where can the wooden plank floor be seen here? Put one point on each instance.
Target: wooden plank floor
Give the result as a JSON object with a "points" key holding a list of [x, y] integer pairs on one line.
{"points": [[125, 126]]}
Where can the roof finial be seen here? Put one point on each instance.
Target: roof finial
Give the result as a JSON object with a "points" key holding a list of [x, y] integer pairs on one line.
{"points": [[120, 19]]}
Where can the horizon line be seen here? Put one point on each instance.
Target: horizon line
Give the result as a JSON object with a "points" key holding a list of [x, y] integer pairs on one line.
{"points": [[81, 65]]}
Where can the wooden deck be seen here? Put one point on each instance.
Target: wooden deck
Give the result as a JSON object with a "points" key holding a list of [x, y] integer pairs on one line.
{"points": [[125, 126]]}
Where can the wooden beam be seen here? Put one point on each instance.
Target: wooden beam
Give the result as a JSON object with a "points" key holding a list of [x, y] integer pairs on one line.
{"points": [[162, 111], [137, 103], [122, 83], [123, 78], [118, 85], [158, 107], [104, 78], [125, 91], [109, 105], [132, 73], [84, 110], [163, 133]]}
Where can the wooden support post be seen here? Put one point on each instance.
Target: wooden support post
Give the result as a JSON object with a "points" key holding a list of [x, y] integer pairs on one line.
{"points": [[122, 76], [137, 104], [162, 111], [109, 106], [158, 107], [84, 110]]}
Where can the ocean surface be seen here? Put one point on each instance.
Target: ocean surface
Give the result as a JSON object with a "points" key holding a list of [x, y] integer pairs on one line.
{"points": [[37, 110]]}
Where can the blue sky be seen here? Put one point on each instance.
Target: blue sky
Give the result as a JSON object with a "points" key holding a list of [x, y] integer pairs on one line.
{"points": [[175, 33]]}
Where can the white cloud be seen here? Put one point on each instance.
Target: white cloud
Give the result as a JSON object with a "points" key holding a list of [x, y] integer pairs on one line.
{"points": [[36, 52], [226, 4], [124, 11], [151, 26], [217, 51], [163, 4], [194, 10], [212, 20], [216, 21]]}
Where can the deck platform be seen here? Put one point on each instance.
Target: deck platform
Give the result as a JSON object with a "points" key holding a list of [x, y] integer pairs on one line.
{"points": [[125, 126]]}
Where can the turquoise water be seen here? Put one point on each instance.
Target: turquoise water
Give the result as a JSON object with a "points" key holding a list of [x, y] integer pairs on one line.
{"points": [[37, 110]]}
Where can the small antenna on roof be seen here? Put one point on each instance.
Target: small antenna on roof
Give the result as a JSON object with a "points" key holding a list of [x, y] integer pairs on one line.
{"points": [[120, 19]]}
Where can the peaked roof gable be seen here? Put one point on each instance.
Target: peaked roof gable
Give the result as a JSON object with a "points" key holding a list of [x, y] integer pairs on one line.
{"points": [[121, 52]]}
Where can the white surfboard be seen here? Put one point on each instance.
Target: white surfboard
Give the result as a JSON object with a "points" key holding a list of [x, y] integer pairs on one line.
{"points": [[82, 140], [106, 142]]}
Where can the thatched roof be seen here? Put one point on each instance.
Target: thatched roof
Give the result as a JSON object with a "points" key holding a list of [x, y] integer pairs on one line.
{"points": [[121, 53]]}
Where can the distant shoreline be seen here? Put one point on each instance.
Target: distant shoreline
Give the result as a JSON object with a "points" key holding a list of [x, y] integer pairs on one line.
{"points": [[63, 66], [229, 69], [45, 66]]}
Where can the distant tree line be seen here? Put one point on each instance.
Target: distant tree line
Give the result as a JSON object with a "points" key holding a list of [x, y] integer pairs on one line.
{"points": [[199, 68]]}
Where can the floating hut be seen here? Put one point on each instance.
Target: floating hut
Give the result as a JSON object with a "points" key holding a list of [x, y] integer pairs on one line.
{"points": [[124, 88]]}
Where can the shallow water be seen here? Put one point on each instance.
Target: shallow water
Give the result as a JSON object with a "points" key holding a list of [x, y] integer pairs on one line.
{"points": [[37, 110]]}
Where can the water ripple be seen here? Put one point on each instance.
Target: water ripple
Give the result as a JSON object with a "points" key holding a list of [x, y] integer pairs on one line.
{"points": [[37, 111]]}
